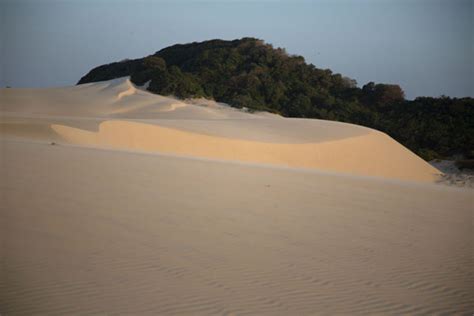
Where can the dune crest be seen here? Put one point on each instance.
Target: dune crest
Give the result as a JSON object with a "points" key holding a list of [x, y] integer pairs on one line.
{"points": [[126, 117], [131, 90], [111, 99], [367, 154]]}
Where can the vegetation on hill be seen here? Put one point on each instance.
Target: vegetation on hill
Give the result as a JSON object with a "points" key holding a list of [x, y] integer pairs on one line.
{"points": [[250, 73]]}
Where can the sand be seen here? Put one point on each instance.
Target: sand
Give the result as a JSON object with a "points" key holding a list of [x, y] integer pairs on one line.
{"points": [[115, 114], [149, 213]]}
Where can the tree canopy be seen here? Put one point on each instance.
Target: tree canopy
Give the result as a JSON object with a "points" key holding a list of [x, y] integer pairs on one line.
{"points": [[250, 73]]}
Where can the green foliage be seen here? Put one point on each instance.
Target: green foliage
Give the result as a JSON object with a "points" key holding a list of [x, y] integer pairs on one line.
{"points": [[432, 127], [173, 81], [382, 95], [252, 74]]}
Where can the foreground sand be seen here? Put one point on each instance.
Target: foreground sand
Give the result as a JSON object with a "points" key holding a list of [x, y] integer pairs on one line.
{"points": [[94, 231], [148, 205]]}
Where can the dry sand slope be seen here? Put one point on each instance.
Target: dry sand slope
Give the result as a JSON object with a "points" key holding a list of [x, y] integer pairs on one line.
{"points": [[246, 230], [117, 114]]}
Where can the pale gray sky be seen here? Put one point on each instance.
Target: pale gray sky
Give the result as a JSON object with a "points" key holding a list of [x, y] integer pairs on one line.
{"points": [[426, 46]]}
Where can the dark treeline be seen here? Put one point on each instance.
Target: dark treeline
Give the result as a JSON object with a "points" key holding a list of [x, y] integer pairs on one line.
{"points": [[249, 73]]}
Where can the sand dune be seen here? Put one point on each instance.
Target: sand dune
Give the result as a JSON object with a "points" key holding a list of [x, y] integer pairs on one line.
{"points": [[206, 129], [372, 154], [117, 98], [151, 205], [95, 231]]}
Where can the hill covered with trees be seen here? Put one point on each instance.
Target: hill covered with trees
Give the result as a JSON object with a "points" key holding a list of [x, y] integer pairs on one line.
{"points": [[252, 74]]}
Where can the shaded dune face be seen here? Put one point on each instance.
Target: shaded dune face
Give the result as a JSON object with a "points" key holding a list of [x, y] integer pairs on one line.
{"points": [[117, 114]]}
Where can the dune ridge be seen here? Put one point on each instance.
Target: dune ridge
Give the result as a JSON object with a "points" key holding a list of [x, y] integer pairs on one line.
{"points": [[130, 118], [109, 99], [343, 155]]}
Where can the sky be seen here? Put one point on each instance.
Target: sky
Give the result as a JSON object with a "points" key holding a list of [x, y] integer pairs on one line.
{"points": [[425, 46]]}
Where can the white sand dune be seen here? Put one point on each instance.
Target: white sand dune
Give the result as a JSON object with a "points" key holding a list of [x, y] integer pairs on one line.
{"points": [[151, 205], [370, 154], [208, 130], [109, 99], [94, 231]]}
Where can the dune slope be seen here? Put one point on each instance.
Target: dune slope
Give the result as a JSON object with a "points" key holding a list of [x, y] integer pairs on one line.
{"points": [[118, 201], [117, 114], [95, 231]]}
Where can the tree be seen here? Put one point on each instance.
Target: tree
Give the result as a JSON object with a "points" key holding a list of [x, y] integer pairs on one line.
{"points": [[349, 83], [154, 62], [386, 94], [249, 73]]}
